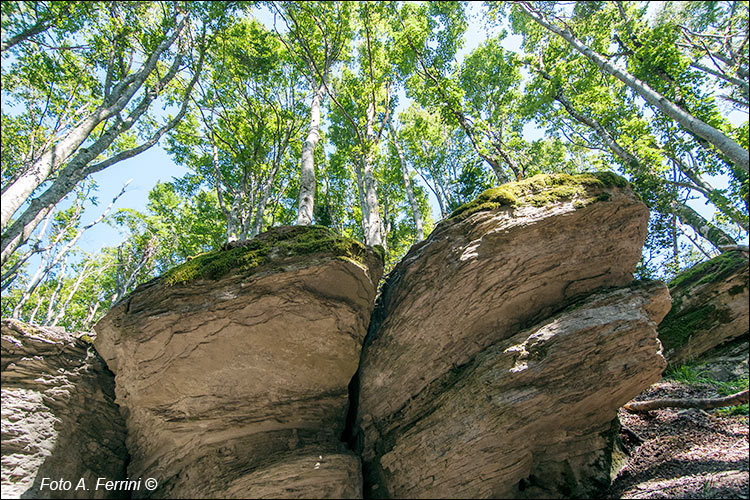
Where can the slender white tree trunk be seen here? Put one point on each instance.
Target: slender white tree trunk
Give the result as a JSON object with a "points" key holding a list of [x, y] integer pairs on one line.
{"points": [[16, 241], [53, 300], [18, 192], [234, 218], [90, 317], [373, 236], [416, 214], [263, 202], [76, 285], [307, 169], [361, 192], [736, 153]]}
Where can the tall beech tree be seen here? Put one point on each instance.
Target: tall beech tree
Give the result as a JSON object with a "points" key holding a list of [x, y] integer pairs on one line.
{"points": [[316, 36], [735, 153], [480, 102], [408, 184], [248, 114], [88, 90], [364, 98], [573, 95]]}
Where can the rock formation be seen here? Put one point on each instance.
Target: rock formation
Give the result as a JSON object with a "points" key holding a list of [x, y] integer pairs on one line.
{"points": [[232, 369], [710, 307], [468, 388], [59, 419], [496, 358]]}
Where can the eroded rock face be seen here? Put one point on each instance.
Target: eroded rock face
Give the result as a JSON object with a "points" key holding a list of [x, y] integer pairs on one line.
{"points": [[236, 385], [439, 412], [710, 307], [59, 419], [530, 416]]}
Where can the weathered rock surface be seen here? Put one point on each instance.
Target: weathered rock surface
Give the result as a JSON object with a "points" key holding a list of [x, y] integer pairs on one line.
{"points": [[727, 362], [710, 307], [59, 419], [439, 412], [530, 416], [234, 378]]}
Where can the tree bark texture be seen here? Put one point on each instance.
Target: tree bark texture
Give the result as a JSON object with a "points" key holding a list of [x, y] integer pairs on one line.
{"points": [[373, 234], [307, 167], [416, 214]]}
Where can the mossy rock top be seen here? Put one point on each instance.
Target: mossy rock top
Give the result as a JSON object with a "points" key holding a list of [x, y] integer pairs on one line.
{"points": [[716, 269], [273, 246], [542, 190]]}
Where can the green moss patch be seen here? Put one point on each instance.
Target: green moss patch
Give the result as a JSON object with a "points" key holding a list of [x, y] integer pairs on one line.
{"points": [[678, 326], [542, 190], [713, 270], [277, 243]]}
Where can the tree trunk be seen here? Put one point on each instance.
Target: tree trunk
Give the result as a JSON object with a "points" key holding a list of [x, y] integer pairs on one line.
{"points": [[53, 299], [263, 202], [307, 169], [714, 235], [708, 231], [734, 152], [64, 307], [416, 214], [373, 235], [18, 192], [79, 167], [233, 219], [93, 308], [363, 206], [12, 244]]}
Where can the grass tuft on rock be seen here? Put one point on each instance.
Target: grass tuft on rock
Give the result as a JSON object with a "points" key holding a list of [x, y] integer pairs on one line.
{"points": [[277, 243], [541, 190]]}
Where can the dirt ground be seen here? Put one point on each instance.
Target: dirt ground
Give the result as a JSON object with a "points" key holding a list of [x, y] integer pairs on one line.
{"points": [[683, 453]]}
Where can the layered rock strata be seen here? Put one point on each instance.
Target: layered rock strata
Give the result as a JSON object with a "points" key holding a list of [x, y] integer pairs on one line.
{"points": [[710, 307], [439, 412], [59, 419], [233, 368]]}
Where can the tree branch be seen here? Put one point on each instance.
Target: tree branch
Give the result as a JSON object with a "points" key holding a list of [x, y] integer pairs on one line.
{"points": [[703, 404]]}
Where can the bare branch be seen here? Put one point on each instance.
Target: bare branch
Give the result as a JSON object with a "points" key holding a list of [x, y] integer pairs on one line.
{"points": [[703, 404]]}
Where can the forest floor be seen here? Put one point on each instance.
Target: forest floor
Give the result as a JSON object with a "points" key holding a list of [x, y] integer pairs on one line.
{"points": [[689, 453]]}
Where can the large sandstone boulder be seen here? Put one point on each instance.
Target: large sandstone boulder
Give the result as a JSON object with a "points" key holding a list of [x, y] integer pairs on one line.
{"points": [[710, 307], [233, 368], [435, 395], [59, 419]]}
